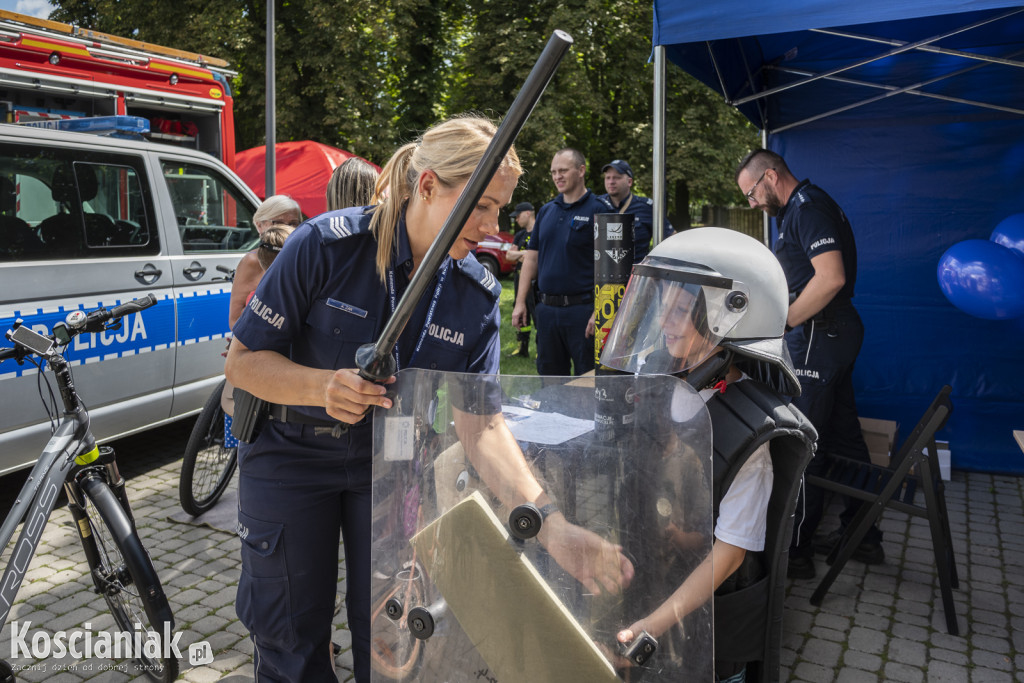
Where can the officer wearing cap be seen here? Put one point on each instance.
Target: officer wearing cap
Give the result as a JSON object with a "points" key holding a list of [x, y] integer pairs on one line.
{"points": [[525, 217], [618, 183], [561, 256], [521, 207]]}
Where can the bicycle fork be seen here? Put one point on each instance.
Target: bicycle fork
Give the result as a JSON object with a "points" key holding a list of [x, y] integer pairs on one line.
{"points": [[102, 465]]}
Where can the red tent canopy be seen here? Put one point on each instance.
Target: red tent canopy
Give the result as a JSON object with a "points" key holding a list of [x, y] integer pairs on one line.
{"points": [[303, 169]]}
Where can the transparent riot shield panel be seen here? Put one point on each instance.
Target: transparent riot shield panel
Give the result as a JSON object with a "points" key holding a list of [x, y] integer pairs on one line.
{"points": [[521, 524]]}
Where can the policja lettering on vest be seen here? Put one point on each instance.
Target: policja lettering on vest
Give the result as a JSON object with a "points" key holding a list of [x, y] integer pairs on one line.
{"points": [[444, 334]]}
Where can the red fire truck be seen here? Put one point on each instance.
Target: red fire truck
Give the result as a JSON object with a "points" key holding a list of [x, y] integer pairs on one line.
{"points": [[52, 72]]}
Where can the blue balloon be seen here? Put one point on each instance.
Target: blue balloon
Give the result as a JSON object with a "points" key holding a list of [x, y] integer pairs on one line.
{"points": [[983, 279], [1010, 233]]}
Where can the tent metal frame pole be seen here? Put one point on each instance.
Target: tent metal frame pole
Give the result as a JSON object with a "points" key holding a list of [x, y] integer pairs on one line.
{"points": [[923, 48], [765, 220], [750, 78], [270, 158], [920, 93], [896, 51], [888, 93], [762, 105], [765, 234], [658, 143], [718, 71]]}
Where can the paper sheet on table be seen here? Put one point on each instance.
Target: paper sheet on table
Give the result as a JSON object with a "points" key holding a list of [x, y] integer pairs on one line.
{"points": [[547, 429]]}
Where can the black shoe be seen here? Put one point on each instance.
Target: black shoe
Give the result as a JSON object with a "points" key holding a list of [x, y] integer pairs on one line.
{"points": [[520, 353], [801, 568], [867, 552]]}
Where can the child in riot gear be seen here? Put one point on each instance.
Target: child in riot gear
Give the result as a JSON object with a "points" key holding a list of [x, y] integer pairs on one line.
{"points": [[709, 306]]}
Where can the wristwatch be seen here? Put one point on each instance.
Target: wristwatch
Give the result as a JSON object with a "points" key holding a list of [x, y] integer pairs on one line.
{"points": [[547, 510]]}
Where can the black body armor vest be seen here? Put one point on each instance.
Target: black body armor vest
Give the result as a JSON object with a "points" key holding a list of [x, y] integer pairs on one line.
{"points": [[748, 605]]}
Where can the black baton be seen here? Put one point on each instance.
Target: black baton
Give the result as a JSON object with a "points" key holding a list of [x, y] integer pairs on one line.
{"points": [[374, 360]]}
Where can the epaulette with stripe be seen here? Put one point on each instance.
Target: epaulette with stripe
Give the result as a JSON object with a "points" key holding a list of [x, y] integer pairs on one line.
{"points": [[336, 225], [480, 275]]}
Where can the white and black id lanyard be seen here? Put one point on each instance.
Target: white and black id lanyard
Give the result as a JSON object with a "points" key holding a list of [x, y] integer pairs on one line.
{"points": [[442, 274]]}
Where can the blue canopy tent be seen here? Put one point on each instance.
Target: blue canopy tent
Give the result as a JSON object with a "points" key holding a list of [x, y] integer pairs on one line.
{"points": [[911, 114]]}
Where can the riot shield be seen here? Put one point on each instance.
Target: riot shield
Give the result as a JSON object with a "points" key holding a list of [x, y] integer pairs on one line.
{"points": [[519, 525]]}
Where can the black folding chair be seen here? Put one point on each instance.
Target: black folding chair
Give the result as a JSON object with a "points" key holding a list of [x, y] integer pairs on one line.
{"points": [[913, 468]]}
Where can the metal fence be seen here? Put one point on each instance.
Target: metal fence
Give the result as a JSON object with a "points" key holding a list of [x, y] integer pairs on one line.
{"points": [[738, 218]]}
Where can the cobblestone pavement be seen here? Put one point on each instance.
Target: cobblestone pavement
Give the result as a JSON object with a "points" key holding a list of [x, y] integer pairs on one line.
{"points": [[877, 623]]}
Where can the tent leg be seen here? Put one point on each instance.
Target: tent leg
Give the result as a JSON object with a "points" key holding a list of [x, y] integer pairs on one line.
{"points": [[658, 144]]}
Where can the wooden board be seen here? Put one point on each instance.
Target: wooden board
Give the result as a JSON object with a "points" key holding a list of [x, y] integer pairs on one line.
{"points": [[516, 622]]}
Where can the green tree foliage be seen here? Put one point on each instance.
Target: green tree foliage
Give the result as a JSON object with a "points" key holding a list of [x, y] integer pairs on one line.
{"points": [[367, 75]]}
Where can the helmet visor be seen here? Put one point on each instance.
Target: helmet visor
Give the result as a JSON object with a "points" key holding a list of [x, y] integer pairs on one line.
{"points": [[672, 318]]}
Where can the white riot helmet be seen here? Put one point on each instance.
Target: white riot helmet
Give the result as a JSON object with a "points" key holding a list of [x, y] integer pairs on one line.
{"points": [[698, 291]]}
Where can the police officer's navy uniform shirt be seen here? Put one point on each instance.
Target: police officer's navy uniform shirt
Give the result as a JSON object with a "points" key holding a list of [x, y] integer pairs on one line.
{"points": [[563, 238], [642, 210], [322, 299], [812, 223], [521, 240]]}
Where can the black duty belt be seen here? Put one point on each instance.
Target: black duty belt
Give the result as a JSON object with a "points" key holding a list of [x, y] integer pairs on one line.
{"points": [[563, 300], [282, 413], [834, 307]]}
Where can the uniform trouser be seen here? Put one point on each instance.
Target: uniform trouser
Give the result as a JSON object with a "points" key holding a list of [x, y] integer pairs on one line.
{"points": [[562, 339], [296, 492], [824, 353]]}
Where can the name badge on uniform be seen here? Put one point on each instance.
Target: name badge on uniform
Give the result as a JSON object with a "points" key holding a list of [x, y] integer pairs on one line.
{"points": [[348, 308]]}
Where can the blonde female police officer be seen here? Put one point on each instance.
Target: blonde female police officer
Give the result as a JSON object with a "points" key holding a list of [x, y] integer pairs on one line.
{"points": [[308, 473]]}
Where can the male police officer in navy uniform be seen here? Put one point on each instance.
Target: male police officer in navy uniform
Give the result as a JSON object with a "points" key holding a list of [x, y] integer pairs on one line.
{"points": [[561, 256], [618, 183], [817, 251], [525, 216]]}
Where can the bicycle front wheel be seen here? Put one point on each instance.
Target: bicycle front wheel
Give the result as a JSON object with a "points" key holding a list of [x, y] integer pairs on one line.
{"points": [[210, 458], [123, 573]]}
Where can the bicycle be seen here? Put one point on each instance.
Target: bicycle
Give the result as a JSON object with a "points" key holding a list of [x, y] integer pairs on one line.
{"points": [[121, 568], [211, 454]]}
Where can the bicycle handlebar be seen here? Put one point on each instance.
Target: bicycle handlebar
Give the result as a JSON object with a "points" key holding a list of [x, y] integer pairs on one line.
{"points": [[133, 306], [94, 321], [77, 322]]}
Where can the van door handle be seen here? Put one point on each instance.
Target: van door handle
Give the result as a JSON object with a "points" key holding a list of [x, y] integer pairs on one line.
{"points": [[194, 271], [149, 274]]}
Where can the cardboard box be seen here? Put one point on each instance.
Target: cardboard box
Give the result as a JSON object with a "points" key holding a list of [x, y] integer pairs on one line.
{"points": [[879, 435], [944, 456]]}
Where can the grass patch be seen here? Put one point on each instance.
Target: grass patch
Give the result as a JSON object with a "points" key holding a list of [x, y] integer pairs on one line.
{"points": [[513, 365]]}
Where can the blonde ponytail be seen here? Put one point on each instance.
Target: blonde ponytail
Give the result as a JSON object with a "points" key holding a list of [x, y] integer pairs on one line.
{"points": [[392, 189], [451, 150]]}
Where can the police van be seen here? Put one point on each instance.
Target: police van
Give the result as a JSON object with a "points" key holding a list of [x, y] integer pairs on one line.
{"points": [[90, 219]]}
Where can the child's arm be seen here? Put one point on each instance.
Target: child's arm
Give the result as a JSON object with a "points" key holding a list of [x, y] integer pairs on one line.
{"points": [[697, 589]]}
